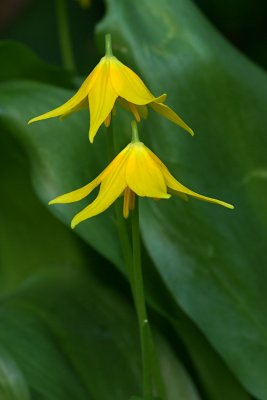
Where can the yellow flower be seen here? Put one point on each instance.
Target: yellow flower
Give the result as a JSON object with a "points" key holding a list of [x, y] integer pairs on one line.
{"points": [[135, 171], [110, 81]]}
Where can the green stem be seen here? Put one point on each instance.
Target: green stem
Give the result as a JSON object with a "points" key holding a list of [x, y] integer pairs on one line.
{"points": [[64, 36], [139, 295], [108, 45]]}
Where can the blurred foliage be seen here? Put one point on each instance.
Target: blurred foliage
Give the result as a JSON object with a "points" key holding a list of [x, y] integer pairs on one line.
{"points": [[243, 22], [68, 329]]}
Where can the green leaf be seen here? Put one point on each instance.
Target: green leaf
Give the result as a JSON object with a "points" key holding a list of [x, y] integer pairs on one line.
{"points": [[12, 383], [26, 226], [19, 62]]}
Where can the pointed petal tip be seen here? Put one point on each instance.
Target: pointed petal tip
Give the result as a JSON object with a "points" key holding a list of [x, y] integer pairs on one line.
{"points": [[226, 205], [75, 221], [73, 225], [192, 133], [53, 201], [91, 136]]}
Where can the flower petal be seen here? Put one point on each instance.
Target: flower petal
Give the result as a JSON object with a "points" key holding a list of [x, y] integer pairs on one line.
{"points": [[84, 191], [76, 102], [77, 194], [171, 115], [143, 175], [101, 98], [178, 187], [112, 186], [128, 84]]}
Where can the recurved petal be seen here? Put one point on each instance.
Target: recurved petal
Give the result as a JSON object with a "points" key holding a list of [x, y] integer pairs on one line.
{"points": [[178, 187], [76, 102], [113, 184], [128, 84], [143, 175], [77, 194], [84, 191], [102, 96], [171, 115]]}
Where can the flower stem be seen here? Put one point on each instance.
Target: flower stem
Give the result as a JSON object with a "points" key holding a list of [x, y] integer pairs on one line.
{"points": [[64, 36], [139, 295], [108, 45], [135, 134]]}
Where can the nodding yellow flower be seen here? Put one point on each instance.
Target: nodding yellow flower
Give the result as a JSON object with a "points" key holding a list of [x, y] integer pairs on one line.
{"points": [[110, 81], [135, 171]]}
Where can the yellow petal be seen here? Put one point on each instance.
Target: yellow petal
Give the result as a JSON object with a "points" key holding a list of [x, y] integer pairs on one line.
{"points": [[171, 115], [128, 201], [76, 102], [101, 98], [113, 184], [143, 175], [77, 194], [134, 111], [177, 186], [128, 84]]}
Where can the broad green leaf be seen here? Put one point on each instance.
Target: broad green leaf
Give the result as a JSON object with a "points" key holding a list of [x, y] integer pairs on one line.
{"points": [[171, 368], [206, 255], [19, 62], [12, 383], [27, 231]]}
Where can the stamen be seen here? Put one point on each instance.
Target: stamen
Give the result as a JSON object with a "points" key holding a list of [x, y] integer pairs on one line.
{"points": [[128, 202], [135, 112], [131, 200]]}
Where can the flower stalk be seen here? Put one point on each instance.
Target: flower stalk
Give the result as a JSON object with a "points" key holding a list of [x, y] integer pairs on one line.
{"points": [[108, 45], [139, 295]]}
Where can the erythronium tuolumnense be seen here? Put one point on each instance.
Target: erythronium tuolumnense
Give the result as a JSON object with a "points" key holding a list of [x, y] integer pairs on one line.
{"points": [[135, 171], [110, 81]]}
